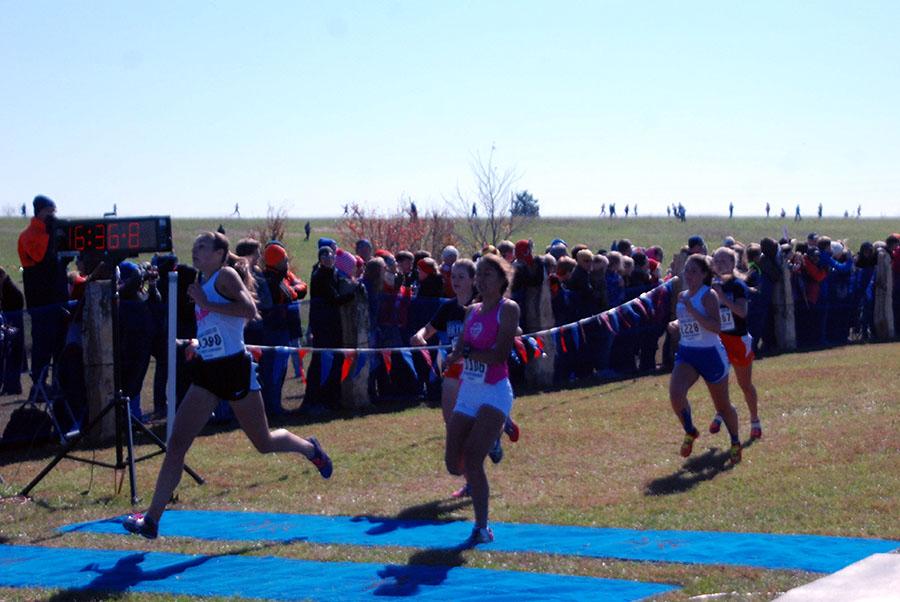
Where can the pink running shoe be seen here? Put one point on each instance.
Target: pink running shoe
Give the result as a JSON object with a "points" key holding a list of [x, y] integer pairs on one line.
{"points": [[483, 535], [755, 430], [141, 525], [463, 491]]}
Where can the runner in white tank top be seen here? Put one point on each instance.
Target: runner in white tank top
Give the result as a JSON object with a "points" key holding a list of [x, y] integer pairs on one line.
{"points": [[223, 305]]}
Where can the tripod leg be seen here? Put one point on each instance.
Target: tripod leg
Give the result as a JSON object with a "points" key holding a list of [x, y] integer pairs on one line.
{"points": [[69, 445], [161, 444], [131, 478]]}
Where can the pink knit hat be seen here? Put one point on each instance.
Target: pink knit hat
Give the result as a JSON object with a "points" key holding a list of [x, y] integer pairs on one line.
{"points": [[345, 262]]}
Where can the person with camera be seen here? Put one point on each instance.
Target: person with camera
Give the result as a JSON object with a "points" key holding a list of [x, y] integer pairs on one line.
{"points": [[45, 285], [222, 369]]}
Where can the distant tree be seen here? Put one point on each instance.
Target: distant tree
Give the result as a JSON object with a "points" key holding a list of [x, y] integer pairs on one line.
{"points": [[493, 195], [397, 230], [275, 228], [524, 204]]}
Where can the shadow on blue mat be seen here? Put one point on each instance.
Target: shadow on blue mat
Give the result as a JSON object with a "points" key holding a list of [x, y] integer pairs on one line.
{"points": [[76, 570], [431, 513], [773, 551]]}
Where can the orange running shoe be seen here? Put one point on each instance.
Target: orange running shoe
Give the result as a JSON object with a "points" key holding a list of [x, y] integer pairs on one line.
{"points": [[687, 446]]}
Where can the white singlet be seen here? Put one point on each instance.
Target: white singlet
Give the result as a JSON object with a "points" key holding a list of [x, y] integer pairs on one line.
{"points": [[219, 335], [692, 333]]}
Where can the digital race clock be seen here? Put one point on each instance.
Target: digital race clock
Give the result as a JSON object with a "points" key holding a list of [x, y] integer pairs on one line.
{"points": [[119, 235]]}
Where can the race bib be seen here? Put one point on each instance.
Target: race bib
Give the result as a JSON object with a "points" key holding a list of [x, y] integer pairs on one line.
{"points": [[727, 319], [690, 329], [211, 343], [473, 372]]}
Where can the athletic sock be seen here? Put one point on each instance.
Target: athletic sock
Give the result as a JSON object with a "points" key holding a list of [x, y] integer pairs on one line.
{"points": [[686, 420]]}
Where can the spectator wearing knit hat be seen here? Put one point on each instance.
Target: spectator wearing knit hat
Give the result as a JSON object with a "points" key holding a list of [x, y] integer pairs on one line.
{"points": [[281, 325], [430, 282], [327, 294]]}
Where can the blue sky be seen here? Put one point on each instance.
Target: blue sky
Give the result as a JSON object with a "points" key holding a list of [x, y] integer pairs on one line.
{"points": [[186, 108]]}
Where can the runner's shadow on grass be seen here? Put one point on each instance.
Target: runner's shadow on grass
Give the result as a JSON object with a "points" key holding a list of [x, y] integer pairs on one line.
{"points": [[126, 573], [426, 567], [429, 513], [695, 470]]}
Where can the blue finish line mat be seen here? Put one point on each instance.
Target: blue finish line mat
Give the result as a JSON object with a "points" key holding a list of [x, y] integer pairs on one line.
{"points": [[286, 579], [805, 552]]}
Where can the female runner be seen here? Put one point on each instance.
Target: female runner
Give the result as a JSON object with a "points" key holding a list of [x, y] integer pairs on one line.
{"points": [[222, 370], [733, 295], [485, 395], [700, 353]]}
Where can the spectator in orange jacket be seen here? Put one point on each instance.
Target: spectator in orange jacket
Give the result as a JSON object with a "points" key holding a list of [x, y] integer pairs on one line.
{"points": [[45, 285]]}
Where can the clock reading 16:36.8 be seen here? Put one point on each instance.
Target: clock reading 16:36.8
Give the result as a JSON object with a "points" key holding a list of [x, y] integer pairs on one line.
{"points": [[110, 236]]}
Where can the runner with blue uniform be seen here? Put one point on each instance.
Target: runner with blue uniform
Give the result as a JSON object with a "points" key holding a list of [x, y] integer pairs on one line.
{"points": [[701, 354]]}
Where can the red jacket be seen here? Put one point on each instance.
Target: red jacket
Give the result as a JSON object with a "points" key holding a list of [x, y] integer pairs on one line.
{"points": [[813, 275], [33, 242]]}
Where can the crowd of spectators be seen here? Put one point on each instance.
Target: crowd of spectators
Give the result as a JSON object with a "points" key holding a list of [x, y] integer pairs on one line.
{"points": [[832, 288]]}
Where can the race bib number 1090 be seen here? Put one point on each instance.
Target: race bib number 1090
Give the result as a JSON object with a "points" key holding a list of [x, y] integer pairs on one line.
{"points": [[473, 372], [211, 343]]}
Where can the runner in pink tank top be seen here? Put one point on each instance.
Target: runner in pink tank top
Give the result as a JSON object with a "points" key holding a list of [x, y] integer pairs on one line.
{"points": [[485, 395], [481, 334]]}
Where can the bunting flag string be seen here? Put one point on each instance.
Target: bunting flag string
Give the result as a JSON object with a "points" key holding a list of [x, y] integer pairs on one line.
{"points": [[407, 357], [347, 365], [326, 359], [520, 349], [360, 364], [648, 306], [427, 357]]}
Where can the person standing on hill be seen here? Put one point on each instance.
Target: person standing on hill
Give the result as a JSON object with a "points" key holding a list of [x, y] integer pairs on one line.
{"points": [[731, 210]]}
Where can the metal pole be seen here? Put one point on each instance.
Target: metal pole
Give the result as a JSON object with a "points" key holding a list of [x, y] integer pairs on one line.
{"points": [[172, 297]]}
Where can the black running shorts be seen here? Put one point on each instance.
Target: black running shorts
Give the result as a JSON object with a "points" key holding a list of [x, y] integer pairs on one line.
{"points": [[231, 377]]}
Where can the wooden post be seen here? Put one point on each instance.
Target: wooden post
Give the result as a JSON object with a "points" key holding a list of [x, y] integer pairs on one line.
{"points": [[539, 316], [355, 334], [883, 315], [98, 356], [783, 306]]}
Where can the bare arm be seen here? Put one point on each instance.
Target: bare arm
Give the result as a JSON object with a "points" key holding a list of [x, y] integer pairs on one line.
{"points": [[230, 286], [711, 321], [738, 307], [421, 336]]}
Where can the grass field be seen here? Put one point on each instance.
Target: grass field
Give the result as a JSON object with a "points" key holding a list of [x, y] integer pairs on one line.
{"points": [[600, 455]]}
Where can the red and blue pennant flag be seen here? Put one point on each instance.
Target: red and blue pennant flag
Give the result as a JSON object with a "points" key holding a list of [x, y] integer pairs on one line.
{"points": [[326, 358], [347, 364]]}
